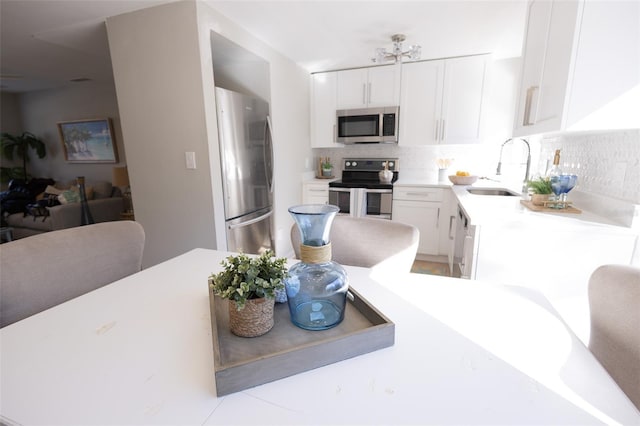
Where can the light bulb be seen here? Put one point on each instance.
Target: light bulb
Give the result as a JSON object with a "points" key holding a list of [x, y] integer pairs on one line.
{"points": [[414, 52], [381, 54]]}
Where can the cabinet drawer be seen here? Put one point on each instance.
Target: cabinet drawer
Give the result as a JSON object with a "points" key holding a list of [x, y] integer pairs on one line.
{"points": [[418, 193], [315, 193]]}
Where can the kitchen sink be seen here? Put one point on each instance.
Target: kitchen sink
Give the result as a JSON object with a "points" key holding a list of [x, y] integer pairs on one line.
{"points": [[492, 191]]}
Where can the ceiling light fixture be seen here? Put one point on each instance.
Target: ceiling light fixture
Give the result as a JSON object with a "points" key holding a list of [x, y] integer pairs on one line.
{"points": [[397, 54]]}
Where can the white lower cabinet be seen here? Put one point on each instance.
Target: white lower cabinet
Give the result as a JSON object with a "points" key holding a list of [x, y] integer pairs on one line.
{"points": [[314, 192], [424, 208]]}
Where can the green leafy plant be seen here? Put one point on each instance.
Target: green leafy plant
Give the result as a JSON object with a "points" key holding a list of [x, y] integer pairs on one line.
{"points": [[20, 146], [541, 185], [327, 164], [245, 277]]}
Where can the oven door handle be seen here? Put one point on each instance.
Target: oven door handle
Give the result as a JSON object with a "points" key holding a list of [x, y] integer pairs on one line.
{"points": [[379, 191], [331, 189]]}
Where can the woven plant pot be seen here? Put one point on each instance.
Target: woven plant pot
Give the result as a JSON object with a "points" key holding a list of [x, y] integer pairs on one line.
{"points": [[254, 320], [539, 199]]}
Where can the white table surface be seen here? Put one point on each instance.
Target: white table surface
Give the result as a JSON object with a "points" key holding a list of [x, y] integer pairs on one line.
{"points": [[139, 351]]}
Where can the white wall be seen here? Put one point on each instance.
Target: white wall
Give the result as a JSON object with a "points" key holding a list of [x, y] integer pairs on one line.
{"points": [[164, 81], [42, 110]]}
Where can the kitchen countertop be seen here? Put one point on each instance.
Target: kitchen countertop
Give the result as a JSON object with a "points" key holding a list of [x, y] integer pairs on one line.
{"points": [[488, 209], [320, 180]]}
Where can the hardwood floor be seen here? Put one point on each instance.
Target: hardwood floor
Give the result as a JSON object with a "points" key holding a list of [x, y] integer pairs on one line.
{"points": [[431, 268]]}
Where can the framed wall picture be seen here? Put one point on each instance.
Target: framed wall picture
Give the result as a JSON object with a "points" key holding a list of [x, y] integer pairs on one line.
{"points": [[88, 141]]}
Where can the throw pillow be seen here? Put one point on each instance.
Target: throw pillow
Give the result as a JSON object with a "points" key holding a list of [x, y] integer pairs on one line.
{"points": [[68, 197], [53, 190], [88, 190]]}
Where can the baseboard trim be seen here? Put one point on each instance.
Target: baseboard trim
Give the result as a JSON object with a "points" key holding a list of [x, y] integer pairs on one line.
{"points": [[432, 258]]}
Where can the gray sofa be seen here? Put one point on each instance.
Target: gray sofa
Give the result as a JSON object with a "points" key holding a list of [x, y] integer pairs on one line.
{"points": [[106, 205]]}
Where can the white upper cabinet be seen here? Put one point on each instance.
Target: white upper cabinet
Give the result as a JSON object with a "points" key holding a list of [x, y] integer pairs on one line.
{"points": [[421, 103], [323, 109], [442, 101], [462, 101], [581, 63], [368, 87]]}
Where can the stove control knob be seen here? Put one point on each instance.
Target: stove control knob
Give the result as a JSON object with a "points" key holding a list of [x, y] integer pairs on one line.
{"points": [[354, 164], [347, 164], [390, 164]]}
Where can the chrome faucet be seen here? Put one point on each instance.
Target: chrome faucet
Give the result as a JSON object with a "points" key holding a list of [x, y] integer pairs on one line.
{"points": [[526, 173]]}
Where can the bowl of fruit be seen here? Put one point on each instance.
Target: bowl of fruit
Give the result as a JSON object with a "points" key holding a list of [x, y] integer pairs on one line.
{"points": [[462, 178]]}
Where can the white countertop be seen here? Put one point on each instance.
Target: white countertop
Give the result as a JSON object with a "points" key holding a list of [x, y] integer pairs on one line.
{"points": [[487, 209], [139, 351]]}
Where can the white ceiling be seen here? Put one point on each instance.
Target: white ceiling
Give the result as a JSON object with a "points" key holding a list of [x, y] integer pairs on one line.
{"points": [[46, 43]]}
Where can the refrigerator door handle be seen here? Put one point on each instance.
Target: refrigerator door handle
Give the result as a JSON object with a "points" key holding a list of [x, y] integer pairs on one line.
{"points": [[251, 222], [268, 154]]}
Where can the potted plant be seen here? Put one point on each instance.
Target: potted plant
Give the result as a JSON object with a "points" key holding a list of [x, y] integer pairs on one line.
{"points": [[21, 145], [540, 189], [327, 167], [250, 284]]}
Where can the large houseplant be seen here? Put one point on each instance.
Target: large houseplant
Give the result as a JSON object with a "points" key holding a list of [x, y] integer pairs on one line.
{"points": [[20, 146], [250, 285]]}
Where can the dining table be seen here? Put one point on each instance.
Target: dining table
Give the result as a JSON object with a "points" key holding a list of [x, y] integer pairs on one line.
{"points": [[139, 351]]}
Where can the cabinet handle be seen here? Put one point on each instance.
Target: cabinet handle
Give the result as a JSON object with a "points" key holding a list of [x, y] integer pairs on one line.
{"points": [[418, 194], [437, 127], [451, 218], [526, 121], [369, 94], [317, 190], [438, 218], [335, 133], [364, 94], [443, 121]]}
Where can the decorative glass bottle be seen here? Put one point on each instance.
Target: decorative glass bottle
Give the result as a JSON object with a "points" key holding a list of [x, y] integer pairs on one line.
{"points": [[554, 175], [85, 213], [316, 287], [555, 169]]}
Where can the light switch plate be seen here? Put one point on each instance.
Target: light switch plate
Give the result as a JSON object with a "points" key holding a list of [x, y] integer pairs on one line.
{"points": [[190, 158]]}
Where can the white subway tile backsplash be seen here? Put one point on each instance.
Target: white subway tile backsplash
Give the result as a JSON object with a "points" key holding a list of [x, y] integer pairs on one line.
{"points": [[607, 163]]}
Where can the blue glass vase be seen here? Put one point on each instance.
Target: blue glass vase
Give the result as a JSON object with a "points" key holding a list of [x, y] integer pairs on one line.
{"points": [[316, 287]]}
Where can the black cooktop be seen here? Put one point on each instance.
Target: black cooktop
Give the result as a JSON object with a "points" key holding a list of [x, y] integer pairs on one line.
{"points": [[363, 173], [362, 182]]}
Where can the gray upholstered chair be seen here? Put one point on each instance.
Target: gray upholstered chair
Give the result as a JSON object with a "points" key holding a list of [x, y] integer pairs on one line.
{"points": [[372, 243], [614, 300], [42, 271]]}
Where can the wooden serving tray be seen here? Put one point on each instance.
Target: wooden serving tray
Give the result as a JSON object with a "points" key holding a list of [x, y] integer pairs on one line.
{"points": [[531, 206], [241, 362]]}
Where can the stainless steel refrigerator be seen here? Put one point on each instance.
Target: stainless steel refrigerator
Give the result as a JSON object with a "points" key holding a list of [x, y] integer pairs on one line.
{"points": [[246, 154]]}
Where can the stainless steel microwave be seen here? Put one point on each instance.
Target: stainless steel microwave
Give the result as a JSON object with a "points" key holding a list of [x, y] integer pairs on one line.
{"points": [[367, 125]]}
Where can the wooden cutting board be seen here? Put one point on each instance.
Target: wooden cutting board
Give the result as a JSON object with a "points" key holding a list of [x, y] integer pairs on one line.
{"points": [[531, 206]]}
